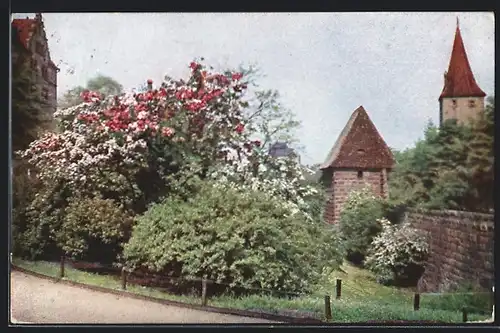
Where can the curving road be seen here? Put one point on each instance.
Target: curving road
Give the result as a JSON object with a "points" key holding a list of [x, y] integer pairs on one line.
{"points": [[36, 300]]}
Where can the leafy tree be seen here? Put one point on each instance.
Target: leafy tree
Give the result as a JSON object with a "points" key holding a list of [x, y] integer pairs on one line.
{"points": [[105, 85], [480, 159], [71, 97], [358, 223], [136, 149], [450, 168], [235, 236]]}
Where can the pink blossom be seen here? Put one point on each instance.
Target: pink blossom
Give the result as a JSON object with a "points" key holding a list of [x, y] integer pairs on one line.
{"points": [[167, 131]]}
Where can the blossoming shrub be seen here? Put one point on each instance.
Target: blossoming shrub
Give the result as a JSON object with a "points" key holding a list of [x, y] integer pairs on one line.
{"points": [[124, 146], [397, 254], [94, 229], [134, 148], [237, 236], [358, 223]]}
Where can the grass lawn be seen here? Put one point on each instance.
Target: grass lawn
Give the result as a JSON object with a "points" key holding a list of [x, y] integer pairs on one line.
{"points": [[362, 300]]}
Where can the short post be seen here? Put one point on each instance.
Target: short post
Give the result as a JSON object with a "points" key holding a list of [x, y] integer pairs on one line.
{"points": [[464, 315], [124, 279], [493, 303], [204, 292], [416, 302], [328, 308], [61, 272], [339, 288]]}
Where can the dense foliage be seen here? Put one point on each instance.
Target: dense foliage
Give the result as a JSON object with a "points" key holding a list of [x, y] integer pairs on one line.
{"points": [[94, 228], [233, 235], [397, 255], [450, 168], [358, 223], [126, 152]]}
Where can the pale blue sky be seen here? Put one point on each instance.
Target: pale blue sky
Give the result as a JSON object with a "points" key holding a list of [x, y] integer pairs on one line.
{"points": [[324, 65]]}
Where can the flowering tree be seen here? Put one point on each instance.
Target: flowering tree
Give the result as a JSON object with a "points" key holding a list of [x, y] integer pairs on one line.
{"points": [[129, 146], [398, 253]]}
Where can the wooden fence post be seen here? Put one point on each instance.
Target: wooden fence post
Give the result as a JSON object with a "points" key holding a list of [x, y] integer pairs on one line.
{"points": [[61, 272], [339, 288], [493, 303], [464, 315], [124, 279], [328, 308], [204, 292], [416, 302]]}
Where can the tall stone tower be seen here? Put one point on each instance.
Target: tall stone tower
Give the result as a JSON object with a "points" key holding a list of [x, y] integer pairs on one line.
{"points": [[359, 158], [461, 98]]}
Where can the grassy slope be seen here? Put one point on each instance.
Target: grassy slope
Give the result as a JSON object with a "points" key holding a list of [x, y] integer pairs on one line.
{"points": [[363, 299]]}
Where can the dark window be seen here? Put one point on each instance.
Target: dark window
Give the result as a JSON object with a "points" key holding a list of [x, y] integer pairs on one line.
{"points": [[454, 103], [360, 174], [45, 94], [39, 48], [472, 103]]}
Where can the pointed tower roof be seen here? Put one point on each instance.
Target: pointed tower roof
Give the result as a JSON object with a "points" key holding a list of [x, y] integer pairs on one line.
{"points": [[459, 80], [359, 145]]}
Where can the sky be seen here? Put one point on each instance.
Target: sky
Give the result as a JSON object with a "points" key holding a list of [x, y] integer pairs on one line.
{"points": [[324, 65]]}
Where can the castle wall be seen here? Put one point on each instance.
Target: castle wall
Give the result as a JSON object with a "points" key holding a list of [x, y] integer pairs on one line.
{"points": [[461, 248]]}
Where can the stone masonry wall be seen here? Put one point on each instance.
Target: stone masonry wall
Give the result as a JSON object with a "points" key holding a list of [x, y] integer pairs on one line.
{"points": [[345, 181], [461, 248]]}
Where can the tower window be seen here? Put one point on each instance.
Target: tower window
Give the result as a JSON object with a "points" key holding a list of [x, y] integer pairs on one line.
{"points": [[360, 174], [472, 103], [45, 94]]}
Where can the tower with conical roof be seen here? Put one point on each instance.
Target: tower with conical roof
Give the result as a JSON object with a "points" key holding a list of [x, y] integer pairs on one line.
{"points": [[461, 98]]}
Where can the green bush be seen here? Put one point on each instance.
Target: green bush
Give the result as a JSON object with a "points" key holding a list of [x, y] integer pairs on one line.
{"points": [[94, 229], [239, 237], [397, 255], [37, 214], [358, 223]]}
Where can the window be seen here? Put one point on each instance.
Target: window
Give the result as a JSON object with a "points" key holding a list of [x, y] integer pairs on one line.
{"points": [[472, 103], [44, 73], [39, 48], [454, 103], [360, 174], [45, 94]]}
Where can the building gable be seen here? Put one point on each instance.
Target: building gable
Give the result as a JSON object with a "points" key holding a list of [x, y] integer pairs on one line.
{"points": [[360, 146], [27, 30]]}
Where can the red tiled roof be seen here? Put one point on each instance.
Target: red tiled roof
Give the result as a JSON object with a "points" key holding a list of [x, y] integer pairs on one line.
{"points": [[360, 146], [25, 28], [459, 81]]}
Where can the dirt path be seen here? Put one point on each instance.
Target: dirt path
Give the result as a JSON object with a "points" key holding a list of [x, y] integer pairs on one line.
{"points": [[36, 300]]}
